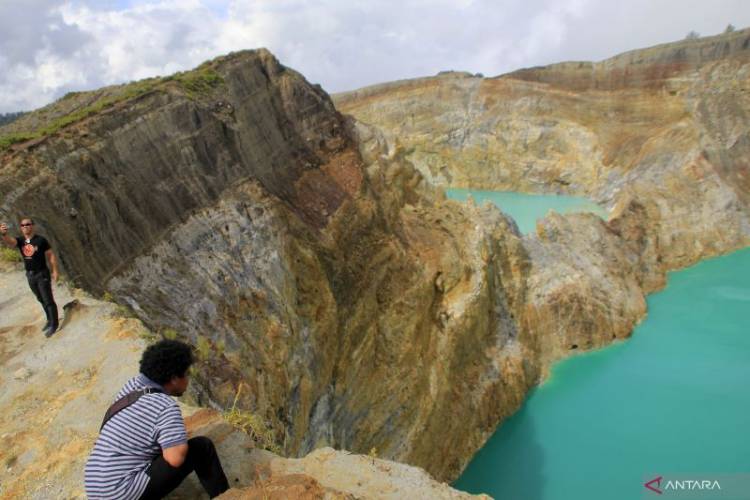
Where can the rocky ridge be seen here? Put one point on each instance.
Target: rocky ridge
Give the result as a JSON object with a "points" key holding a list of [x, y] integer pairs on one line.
{"points": [[659, 136]]}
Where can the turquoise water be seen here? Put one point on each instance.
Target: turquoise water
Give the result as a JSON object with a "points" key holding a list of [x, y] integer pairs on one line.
{"points": [[527, 208], [673, 399]]}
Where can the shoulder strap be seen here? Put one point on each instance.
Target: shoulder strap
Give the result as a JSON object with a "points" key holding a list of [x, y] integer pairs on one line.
{"points": [[127, 400]]}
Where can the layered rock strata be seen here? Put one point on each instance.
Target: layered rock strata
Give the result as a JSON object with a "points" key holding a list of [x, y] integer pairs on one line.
{"points": [[659, 136], [307, 259], [358, 310], [56, 390]]}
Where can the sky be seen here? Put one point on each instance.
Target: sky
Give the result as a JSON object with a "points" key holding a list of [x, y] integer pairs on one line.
{"points": [[50, 47]]}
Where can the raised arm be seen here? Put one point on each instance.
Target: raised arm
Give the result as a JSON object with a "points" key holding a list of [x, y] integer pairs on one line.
{"points": [[52, 263], [7, 240]]}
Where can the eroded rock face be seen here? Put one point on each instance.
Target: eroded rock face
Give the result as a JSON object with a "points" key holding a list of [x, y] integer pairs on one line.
{"points": [[660, 134], [358, 309], [56, 390]]}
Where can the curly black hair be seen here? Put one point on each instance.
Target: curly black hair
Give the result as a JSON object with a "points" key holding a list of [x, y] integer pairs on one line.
{"points": [[166, 359]]}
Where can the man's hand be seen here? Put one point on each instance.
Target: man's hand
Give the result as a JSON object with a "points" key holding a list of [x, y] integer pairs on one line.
{"points": [[7, 240]]}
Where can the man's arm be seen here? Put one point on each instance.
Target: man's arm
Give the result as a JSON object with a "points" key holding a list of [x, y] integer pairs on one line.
{"points": [[7, 240], [171, 435], [175, 455], [52, 262]]}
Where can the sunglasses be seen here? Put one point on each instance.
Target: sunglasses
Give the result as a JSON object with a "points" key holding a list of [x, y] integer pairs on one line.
{"points": [[27, 225]]}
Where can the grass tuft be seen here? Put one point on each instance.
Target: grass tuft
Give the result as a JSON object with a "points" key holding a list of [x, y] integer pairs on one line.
{"points": [[203, 347], [169, 334], [252, 425]]}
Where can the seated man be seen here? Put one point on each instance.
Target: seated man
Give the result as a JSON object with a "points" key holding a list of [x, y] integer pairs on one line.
{"points": [[143, 451]]}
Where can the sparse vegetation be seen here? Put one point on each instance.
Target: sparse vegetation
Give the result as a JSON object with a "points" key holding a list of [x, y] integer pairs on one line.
{"points": [[203, 348], [195, 83], [692, 35], [6, 118], [9, 255], [730, 28], [130, 92], [149, 336], [199, 81], [252, 425], [124, 311], [169, 334]]}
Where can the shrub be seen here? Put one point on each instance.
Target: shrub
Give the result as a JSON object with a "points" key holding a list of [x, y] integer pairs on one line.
{"points": [[203, 348], [9, 255], [149, 336], [252, 425], [124, 311], [169, 334]]}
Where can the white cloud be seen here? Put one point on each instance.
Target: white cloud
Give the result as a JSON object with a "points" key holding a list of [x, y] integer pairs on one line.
{"points": [[49, 47]]}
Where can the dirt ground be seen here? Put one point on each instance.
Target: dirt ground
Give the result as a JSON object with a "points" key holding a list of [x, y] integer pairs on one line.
{"points": [[54, 391]]}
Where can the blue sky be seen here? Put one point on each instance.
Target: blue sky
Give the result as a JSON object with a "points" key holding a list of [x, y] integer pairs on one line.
{"points": [[50, 47]]}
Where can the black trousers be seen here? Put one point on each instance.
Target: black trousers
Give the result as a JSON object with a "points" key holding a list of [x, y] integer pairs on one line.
{"points": [[201, 458], [40, 283]]}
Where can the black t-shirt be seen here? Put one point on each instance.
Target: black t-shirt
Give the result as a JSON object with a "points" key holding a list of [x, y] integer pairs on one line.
{"points": [[33, 252]]}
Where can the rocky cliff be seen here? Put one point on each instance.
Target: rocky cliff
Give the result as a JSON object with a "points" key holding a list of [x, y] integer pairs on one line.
{"points": [[237, 207], [55, 392], [304, 254], [659, 136]]}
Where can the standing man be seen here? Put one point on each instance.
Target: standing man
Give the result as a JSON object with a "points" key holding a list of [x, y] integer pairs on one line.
{"points": [[143, 451], [35, 251]]}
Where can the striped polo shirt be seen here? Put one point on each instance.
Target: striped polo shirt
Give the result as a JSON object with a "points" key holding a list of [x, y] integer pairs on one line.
{"points": [[130, 440]]}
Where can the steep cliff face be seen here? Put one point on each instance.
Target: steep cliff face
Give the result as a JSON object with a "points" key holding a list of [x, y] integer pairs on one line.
{"points": [[55, 392], [659, 134], [360, 310]]}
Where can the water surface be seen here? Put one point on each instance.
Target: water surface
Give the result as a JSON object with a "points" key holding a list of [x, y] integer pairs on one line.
{"points": [[673, 399], [527, 208]]}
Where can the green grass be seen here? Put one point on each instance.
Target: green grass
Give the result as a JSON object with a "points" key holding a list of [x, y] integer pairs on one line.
{"points": [[195, 83], [169, 334], [124, 311], [149, 337], [251, 424], [203, 347], [9, 255]]}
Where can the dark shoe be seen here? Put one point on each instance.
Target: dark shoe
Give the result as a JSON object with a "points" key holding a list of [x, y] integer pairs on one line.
{"points": [[50, 330], [52, 322]]}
